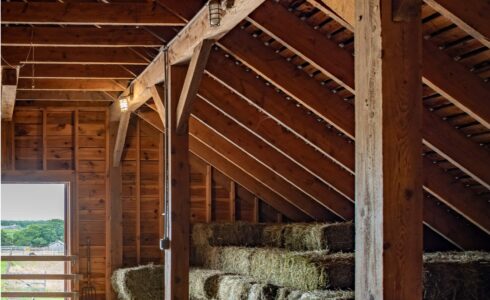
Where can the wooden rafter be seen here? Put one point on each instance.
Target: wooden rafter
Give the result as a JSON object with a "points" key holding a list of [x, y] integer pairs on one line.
{"points": [[266, 126], [256, 170], [83, 13], [72, 84], [299, 179], [67, 96], [279, 74], [72, 55], [181, 48], [441, 73], [9, 79], [225, 165], [78, 37], [293, 81], [45, 71], [287, 114], [468, 15]]}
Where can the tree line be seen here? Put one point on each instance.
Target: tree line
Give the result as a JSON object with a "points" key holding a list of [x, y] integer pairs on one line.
{"points": [[33, 233]]}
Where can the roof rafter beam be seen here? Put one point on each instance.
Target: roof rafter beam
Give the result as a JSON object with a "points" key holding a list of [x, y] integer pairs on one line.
{"points": [[78, 37], [289, 116], [468, 15], [84, 13], [71, 85], [457, 87], [444, 75], [73, 55], [181, 47]]}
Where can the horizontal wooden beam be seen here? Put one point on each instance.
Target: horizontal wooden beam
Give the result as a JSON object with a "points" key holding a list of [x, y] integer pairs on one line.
{"points": [[46, 71], [78, 37], [38, 258], [9, 81], [72, 84], [468, 15], [73, 55], [84, 13], [68, 96], [40, 276], [72, 295]]}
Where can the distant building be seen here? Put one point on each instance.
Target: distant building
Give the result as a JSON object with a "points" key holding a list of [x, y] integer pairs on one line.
{"points": [[57, 246]]}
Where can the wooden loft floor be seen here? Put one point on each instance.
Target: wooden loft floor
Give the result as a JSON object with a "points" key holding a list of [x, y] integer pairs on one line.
{"points": [[271, 107]]}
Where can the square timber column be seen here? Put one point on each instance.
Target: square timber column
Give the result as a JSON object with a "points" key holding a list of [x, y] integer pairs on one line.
{"points": [[177, 184], [388, 213]]}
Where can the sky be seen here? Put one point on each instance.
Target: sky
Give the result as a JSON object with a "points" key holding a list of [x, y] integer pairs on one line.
{"points": [[32, 201]]}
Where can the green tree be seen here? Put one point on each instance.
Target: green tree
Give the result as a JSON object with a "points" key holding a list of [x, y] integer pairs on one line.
{"points": [[7, 239], [40, 234]]}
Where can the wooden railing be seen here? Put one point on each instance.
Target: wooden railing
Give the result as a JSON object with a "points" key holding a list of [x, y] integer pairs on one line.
{"points": [[41, 258]]}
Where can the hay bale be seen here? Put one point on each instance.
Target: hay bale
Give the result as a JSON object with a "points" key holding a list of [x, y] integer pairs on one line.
{"points": [[234, 287], [272, 235], [298, 270], [227, 234], [319, 236], [287, 294], [296, 236], [303, 270], [457, 275], [203, 283], [139, 283]]}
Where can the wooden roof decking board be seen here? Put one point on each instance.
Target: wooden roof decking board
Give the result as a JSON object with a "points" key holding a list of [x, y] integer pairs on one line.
{"points": [[82, 13]]}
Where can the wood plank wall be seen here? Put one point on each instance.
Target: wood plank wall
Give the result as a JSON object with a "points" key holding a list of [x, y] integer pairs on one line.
{"points": [[57, 139]]}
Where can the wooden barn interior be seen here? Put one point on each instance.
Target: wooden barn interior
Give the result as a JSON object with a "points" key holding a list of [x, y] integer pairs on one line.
{"points": [[246, 149]]}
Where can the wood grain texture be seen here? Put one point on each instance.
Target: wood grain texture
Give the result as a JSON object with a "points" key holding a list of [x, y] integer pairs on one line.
{"points": [[468, 15], [136, 14], [192, 81], [177, 256], [388, 146]]}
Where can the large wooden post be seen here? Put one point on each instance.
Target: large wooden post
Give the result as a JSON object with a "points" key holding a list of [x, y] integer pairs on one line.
{"points": [[177, 185], [114, 240], [388, 149]]}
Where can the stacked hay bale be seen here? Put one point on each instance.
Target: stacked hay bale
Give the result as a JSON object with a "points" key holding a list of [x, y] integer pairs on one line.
{"points": [[212, 284], [283, 261], [139, 283], [300, 258], [294, 262]]}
